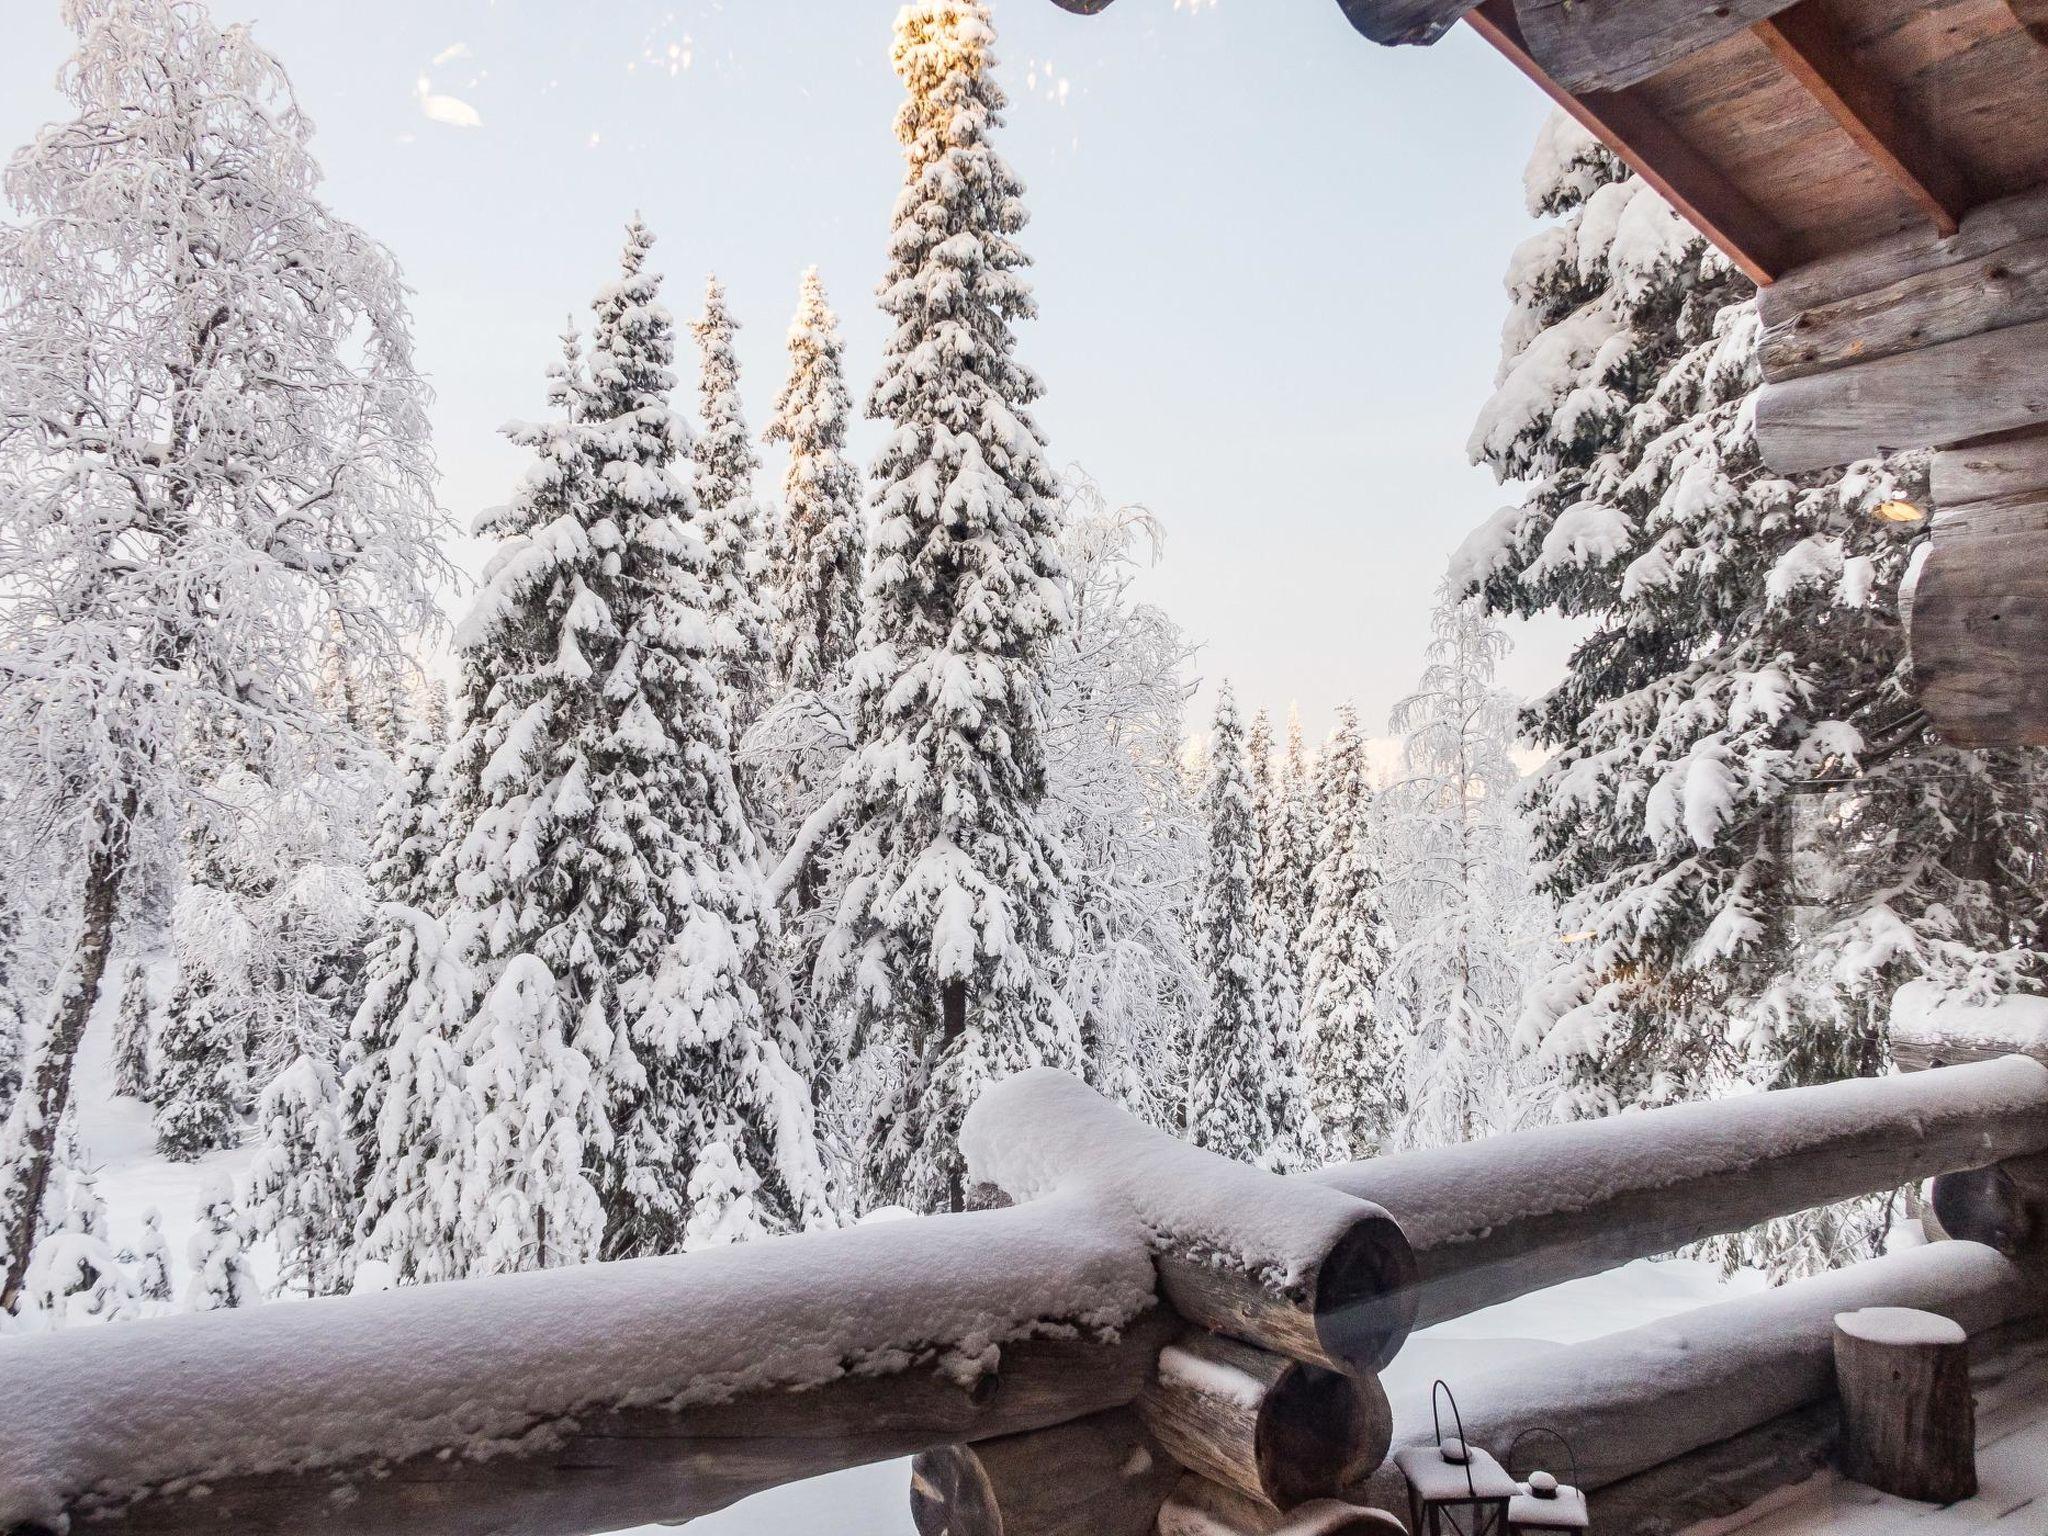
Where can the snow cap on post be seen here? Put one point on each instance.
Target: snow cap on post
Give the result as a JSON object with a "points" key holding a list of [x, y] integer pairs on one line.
{"points": [[1296, 1267]]}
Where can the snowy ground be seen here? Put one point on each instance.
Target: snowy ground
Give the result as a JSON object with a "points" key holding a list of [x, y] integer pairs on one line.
{"points": [[116, 1141]]}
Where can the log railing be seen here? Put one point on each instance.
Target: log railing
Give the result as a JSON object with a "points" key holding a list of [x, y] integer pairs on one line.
{"points": [[1139, 1336]]}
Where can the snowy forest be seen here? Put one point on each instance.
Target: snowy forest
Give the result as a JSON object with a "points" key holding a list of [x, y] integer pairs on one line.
{"points": [[688, 883]]}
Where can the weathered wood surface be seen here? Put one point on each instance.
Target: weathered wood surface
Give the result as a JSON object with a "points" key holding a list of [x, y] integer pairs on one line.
{"points": [[626, 1468], [1978, 631], [1911, 291], [1993, 381], [1604, 45], [1202, 1508], [1867, 107], [1497, 1219], [1909, 1427], [1271, 1427], [1636, 1400], [1994, 475], [1404, 21], [1297, 1268], [1099, 1476], [1629, 125]]}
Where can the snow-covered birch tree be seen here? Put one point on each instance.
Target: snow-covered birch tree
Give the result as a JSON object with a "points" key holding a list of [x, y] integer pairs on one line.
{"points": [[952, 920], [212, 436]]}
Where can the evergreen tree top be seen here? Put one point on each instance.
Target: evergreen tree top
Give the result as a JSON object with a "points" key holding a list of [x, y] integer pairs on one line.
{"points": [[724, 453]]}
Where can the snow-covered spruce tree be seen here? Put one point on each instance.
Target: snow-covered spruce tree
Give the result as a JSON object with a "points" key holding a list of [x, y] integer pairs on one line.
{"points": [[134, 1029], [952, 919], [152, 1272], [1467, 930], [218, 1251], [212, 435], [1118, 686], [1745, 658], [202, 1063], [602, 831], [1296, 1139], [729, 519], [302, 1180], [1293, 835], [1354, 1057], [821, 553], [75, 1276], [1231, 1073]]}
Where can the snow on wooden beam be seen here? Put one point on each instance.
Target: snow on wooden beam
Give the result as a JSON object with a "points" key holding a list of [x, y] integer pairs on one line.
{"points": [[1932, 1026], [1914, 341], [1297, 1268], [1604, 45], [587, 1398], [1635, 1400], [1496, 1219], [1977, 604]]}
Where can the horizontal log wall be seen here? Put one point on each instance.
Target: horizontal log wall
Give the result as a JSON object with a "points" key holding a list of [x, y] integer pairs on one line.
{"points": [[1493, 1220]]}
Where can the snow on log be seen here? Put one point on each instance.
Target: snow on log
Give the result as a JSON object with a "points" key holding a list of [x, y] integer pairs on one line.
{"points": [[1202, 1508], [1635, 1400], [586, 1398], [1909, 1427], [1275, 1428], [1099, 1476], [1497, 1219], [1310, 1272], [1933, 1026]]}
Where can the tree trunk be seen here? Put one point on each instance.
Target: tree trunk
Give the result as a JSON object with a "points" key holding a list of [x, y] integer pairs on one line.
{"points": [[953, 1025], [1909, 1426], [49, 1086]]}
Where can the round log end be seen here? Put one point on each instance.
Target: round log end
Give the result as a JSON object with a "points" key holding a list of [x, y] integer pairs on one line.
{"points": [[1320, 1431], [1365, 1294], [950, 1494], [1986, 1205]]}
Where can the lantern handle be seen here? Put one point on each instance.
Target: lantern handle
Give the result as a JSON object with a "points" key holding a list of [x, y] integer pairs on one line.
{"points": [[1437, 1422], [1571, 1455]]}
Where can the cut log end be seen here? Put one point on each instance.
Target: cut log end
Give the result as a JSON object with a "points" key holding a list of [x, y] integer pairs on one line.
{"points": [[1909, 1425], [2004, 1206], [1366, 1295], [1099, 1476]]}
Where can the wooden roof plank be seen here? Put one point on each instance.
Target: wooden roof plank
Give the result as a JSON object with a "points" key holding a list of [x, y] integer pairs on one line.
{"points": [[1713, 204], [1868, 109], [1607, 45]]}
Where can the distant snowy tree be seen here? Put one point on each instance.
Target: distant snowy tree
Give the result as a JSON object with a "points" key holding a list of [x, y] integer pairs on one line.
{"points": [[152, 1272], [211, 438], [529, 1202], [218, 1252], [202, 1065], [13, 1005], [952, 919], [1354, 1058], [301, 1183], [1296, 1140], [1232, 1069], [1467, 929], [1118, 686], [1745, 659], [602, 831], [821, 556], [76, 1276], [729, 519], [1292, 832], [134, 1031]]}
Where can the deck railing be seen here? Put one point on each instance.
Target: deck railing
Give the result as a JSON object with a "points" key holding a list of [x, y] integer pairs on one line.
{"points": [[1131, 1334]]}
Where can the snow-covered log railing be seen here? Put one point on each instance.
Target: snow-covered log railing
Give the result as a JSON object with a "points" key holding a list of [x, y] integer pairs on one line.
{"points": [[1492, 1220], [1307, 1271], [1651, 1397], [583, 1399]]}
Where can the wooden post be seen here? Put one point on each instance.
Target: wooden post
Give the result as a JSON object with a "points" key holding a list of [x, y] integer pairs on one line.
{"points": [[1268, 1426], [1099, 1476], [1909, 1426], [1202, 1508]]}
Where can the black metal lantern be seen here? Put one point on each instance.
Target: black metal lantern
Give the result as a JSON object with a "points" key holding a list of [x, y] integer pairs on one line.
{"points": [[1542, 1506], [1454, 1487]]}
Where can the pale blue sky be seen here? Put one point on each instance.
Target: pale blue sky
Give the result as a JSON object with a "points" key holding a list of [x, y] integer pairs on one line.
{"points": [[1269, 254]]}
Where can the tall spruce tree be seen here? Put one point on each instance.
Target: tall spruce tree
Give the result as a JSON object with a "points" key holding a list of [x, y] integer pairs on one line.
{"points": [[1354, 1058], [952, 918], [1746, 659], [729, 519], [1230, 1103], [1296, 1140], [821, 555], [602, 830]]}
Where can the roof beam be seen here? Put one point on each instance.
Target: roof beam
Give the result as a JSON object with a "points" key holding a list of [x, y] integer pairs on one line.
{"points": [[1868, 108], [1683, 177], [1608, 45], [1083, 7]]}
